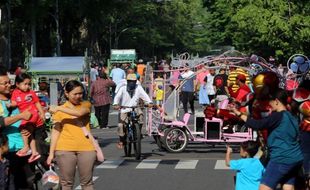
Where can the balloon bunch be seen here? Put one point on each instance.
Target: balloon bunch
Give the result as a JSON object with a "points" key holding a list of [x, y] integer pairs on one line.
{"points": [[298, 64]]}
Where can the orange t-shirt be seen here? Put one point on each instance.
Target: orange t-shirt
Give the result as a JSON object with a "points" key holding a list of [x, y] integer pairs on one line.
{"points": [[140, 69], [71, 136]]}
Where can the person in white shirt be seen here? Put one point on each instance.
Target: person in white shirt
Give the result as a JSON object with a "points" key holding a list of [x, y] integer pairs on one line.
{"points": [[129, 96], [209, 85], [93, 73]]}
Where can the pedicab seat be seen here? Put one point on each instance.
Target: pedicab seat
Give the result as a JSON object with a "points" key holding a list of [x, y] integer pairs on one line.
{"points": [[184, 122]]}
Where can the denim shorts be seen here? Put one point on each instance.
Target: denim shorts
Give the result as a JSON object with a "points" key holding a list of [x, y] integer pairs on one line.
{"points": [[280, 173]]}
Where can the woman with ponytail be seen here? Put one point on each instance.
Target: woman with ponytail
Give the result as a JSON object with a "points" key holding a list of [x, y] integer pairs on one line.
{"points": [[282, 142]]}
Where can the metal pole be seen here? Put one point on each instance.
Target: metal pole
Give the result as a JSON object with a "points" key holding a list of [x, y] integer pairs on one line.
{"points": [[117, 38]]}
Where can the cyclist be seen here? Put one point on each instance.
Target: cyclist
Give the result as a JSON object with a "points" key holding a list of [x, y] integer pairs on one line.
{"points": [[129, 96]]}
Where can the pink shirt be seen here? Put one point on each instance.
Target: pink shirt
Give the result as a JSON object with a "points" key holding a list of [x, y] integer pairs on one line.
{"points": [[174, 79], [201, 76]]}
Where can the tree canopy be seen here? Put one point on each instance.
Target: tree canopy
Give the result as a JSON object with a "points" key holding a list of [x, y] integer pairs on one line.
{"points": [[155, 27]]}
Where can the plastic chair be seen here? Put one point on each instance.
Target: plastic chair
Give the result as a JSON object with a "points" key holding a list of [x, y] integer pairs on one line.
{"points": [[184, 122]]}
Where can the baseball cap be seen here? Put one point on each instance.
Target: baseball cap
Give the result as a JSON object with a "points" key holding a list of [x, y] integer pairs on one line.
{"points": [[131, 76], [241, 77]]}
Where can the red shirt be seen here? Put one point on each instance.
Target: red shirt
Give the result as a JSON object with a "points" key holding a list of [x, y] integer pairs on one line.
{"points": [[100, 92], [25, 100], [241, 93]]}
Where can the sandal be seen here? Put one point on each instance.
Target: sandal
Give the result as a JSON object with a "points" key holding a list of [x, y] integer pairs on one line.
{"points": [[34, 158], [21, 153], [120, 145]]}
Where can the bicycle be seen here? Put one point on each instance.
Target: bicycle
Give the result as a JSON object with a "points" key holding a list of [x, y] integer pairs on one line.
{"points": [[133, 134]]}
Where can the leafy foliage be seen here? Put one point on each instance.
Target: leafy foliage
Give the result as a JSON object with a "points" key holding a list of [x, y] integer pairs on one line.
{"points": [[159, 27]]}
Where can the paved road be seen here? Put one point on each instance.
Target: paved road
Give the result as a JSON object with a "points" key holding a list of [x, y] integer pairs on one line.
{"points": [[200, 166]]}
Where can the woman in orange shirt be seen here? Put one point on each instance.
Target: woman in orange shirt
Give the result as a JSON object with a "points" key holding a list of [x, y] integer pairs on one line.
{"points": [[70, 146]]}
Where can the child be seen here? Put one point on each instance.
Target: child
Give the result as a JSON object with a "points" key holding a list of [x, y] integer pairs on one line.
{"points": [[249, 169], [159, 95], [4, 163], [26, 99]]}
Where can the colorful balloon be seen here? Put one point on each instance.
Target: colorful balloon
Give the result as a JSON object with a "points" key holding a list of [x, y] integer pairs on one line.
{"points": [[299, 60], [294, 67], [304, 67]]}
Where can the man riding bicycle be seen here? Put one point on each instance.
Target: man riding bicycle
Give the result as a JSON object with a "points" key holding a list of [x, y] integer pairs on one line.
{"points": [[129, 96]]}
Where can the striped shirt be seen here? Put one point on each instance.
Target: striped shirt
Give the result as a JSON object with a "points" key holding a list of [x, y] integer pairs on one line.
{"points": [[100, 92]]}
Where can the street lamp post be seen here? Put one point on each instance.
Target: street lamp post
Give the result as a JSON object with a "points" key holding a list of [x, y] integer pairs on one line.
{"points": [[117, 37]]}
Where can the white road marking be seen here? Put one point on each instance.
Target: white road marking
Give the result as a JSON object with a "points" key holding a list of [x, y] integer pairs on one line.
{"points": [[148, 164], [220, 165], [186, 164], [94, 179], [110, 164]]}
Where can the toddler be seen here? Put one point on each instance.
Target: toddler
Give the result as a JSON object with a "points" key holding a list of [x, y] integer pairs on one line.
{"points": [[26, 99], [159, 95], [249, 169]]}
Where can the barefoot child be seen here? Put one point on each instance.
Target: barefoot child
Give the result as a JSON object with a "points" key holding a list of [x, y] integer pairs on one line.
{"points": [[249, 169], [26, 99]]}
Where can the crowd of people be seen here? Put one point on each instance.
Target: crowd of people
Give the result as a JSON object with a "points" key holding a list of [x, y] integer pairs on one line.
{"points": [[22, 118]]}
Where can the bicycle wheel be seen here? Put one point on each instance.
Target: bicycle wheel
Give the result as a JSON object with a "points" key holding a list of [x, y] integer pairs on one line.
{"points": [[137, 140], [175, 140], [127, 146]]}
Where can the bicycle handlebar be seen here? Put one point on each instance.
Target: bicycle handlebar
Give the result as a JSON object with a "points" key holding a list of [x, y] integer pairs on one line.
{"points": [[144, 106]]}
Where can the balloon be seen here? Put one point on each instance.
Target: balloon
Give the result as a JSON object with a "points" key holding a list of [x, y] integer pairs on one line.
{"points": [[299, 60], [304, 67], [294, 67], [304, 108]]}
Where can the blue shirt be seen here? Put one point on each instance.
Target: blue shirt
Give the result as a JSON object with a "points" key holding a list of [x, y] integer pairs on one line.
{"points": [[12, 131], [117, 74], [249, 173], [283, 136], [93, 74], [188, 85]]}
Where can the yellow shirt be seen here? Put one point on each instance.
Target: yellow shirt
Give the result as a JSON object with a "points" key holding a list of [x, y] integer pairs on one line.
{"points": [[159, 94], [71, 137]]}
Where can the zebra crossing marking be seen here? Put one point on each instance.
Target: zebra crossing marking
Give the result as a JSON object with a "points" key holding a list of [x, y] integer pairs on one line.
{"points": [[148, 164], [220, 165], [153, 164], [186, 164], [94, 179], [110, 164]]}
